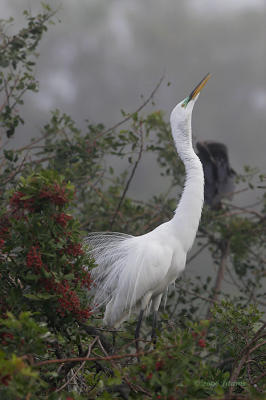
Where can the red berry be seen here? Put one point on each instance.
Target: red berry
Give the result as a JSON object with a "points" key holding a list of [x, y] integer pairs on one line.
{"points": [[159, 365], [34, 259], [62, 219], [5, 379], [202, 343]]}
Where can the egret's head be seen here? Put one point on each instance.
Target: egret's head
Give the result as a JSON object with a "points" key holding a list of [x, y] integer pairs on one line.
{"points": [[182, 112]]}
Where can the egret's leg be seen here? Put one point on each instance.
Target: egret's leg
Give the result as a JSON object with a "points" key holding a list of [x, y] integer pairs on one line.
{"points": [[144, 304], [114, 339], [154, 327], [156, 304], [138, 329]]}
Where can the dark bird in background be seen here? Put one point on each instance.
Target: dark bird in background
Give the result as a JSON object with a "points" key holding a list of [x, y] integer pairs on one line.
{"points": [[218, 175]]}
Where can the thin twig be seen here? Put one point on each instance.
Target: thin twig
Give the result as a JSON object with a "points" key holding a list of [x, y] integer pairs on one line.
{"points": [[248, 211], [210, 300], [234, 282], [234, 193], [129, 180], [92, 331], [259, 377], [137, 110], [14, 173], [105, 352], [257, 346], [33, 142], [197, 252]]}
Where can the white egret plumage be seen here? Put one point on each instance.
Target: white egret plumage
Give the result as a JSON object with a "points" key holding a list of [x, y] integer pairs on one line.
{"points": [[133, 272]]}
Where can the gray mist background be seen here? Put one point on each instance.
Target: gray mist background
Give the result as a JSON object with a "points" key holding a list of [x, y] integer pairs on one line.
{"points": [[105, 54]]}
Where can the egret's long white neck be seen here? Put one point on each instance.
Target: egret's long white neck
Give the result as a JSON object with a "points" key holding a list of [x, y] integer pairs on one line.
{"points": [[188, 212]]}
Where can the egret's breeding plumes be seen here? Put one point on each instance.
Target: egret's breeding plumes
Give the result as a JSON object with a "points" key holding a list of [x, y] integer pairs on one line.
{"points": [[133, 272], [218, 175]]}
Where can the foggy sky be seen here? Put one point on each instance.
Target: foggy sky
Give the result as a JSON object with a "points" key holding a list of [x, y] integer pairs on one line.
{"points": [[106, 53]]}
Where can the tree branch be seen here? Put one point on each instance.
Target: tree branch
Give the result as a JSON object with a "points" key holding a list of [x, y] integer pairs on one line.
{"points": [[78, 359], [220, 276]]}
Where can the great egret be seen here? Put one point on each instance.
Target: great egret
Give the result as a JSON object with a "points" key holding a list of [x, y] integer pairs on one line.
{"points": [[218, 174], [133, 272]]}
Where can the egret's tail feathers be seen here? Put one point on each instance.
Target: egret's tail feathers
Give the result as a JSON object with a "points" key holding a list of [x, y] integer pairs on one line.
{"points": [[112, 253], [123, 275]]}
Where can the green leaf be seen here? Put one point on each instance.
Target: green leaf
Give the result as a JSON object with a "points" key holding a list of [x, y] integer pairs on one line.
{"points": [[40, 296]]}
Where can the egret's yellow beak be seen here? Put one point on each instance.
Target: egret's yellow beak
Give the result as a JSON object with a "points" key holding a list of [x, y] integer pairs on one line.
{"points": [[198, 88]]}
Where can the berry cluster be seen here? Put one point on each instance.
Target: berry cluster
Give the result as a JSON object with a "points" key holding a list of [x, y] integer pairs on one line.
{"points": [[200, 340], [158, 366], [18, 201], [55, 193], [34, 259], [68, 300], [6, 336], [37, 209], [74, 249], [86, 281], [62, 219]]}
